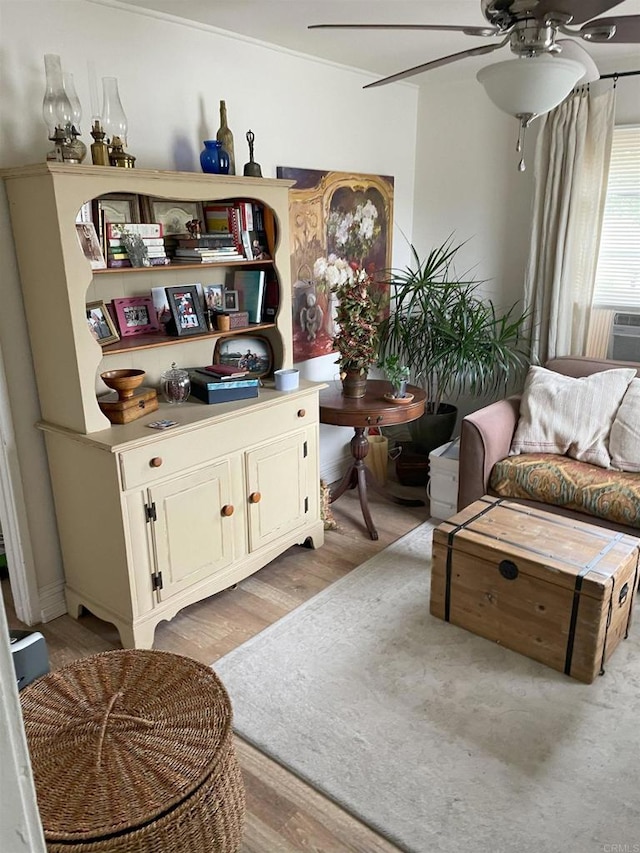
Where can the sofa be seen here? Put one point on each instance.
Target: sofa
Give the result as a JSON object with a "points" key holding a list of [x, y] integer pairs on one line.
{"points": [[497, 457]]}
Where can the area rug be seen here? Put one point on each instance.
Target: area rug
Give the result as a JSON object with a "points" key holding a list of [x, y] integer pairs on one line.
{"points": [[436, 738]]}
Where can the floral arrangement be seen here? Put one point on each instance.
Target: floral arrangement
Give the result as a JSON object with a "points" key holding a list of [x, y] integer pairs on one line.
{"points": [[354, 233], [357, 317]]}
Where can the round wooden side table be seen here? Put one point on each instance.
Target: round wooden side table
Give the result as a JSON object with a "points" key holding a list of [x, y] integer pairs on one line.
{"points": [[361, 413]]}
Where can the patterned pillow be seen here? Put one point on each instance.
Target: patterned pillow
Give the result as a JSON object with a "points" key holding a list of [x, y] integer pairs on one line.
{"points": [[624, 441], [569, 416], [560, 481]]}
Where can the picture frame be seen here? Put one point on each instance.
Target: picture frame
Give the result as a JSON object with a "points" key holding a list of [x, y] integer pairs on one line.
{"points": [[172, 214], [100, 323], [118, 207], [249, 352], [88, 239], [231, 301], [214, 297], [136, 315], [186, 310]]}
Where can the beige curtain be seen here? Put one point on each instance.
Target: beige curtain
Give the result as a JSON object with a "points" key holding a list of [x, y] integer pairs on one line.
{"points": [[570, 176]]}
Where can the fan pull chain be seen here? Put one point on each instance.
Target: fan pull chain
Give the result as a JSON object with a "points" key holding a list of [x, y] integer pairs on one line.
{"points": [[525, 121]]}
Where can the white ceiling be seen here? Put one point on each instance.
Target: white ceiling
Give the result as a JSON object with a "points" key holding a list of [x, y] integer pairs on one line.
{"points": [[284, 23]]}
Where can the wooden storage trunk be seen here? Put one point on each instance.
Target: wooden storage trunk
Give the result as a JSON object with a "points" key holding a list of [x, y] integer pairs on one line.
{"points": [[557, 590]]}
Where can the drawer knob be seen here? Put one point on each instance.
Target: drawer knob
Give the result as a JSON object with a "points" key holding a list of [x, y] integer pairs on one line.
{"points": [[227, 510], [255, 498], [302, 413], [156, 462]]}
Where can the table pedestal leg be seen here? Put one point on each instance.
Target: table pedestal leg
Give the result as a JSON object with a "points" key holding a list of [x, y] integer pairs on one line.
{"points": [[356, 475]]}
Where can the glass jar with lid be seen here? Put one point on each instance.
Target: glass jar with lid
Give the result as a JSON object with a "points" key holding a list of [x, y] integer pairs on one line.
{"points": [[175, 385]]}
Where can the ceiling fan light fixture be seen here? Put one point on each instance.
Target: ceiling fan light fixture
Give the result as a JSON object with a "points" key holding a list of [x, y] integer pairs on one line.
{"points": [[530, 85]]}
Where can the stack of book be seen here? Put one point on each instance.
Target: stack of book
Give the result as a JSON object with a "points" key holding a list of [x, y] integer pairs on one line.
{"points": [[206, 255], [219, 383], [243, 221], [149, 232]]}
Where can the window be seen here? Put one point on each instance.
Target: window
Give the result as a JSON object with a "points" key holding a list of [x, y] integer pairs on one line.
{"points": [[617, 283]]}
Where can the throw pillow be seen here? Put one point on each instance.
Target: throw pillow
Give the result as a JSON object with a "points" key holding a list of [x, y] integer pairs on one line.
{"points": [[569, 416], [624, 441]]}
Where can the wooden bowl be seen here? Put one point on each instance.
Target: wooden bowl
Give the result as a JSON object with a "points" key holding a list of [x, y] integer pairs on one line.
{"points": [[123, 381]]}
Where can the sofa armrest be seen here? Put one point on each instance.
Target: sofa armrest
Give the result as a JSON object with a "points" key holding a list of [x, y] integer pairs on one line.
{"points": [[485, 439]]}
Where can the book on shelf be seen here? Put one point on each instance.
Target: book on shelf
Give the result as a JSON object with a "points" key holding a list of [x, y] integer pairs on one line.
{"points": [[148, 241], [217, 217], [222, 251], [225, 371], [208, 259], [123, 263], [271, 301], [222, 240], [144, 229], [246, 245], [196, 375], [250, 287]]}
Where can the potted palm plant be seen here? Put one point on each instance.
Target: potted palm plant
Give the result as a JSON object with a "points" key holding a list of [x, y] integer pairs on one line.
{"points": [[453, 340]]}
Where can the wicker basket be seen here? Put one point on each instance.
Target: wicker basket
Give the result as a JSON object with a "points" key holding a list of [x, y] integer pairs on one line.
{"points": [[132, 752]]}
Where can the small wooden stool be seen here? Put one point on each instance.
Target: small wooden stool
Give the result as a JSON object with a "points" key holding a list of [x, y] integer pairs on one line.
{"points": [[133, 751]]}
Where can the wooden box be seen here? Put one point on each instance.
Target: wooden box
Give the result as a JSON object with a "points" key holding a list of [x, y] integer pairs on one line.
{"points": [[143, 402], [557, 590]]}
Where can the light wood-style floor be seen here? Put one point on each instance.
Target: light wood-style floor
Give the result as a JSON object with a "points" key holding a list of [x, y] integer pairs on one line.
{"points": [[283, 813]]}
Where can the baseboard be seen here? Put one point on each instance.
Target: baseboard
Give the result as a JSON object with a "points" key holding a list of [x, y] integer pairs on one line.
{"points": [[334, 470], [52, 601]]}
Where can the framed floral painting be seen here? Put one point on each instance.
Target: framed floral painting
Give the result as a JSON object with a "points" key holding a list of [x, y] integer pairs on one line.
{"points": [[339, 222]]}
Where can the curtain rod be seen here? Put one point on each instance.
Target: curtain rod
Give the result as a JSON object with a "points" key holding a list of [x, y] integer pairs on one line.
{"points": [[617, 74]]}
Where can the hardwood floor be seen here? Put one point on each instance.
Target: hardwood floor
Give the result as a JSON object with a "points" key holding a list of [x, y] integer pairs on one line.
{"points": [[283, 813]]}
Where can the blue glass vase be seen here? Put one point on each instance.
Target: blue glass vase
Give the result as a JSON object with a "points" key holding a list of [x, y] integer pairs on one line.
{"points": [[214, 159]]}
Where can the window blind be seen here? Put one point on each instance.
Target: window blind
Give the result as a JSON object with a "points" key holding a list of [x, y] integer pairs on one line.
{"points": [[617, 284]]}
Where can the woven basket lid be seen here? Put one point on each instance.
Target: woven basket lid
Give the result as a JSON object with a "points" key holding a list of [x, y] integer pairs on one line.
{"points": [[120, 738]]}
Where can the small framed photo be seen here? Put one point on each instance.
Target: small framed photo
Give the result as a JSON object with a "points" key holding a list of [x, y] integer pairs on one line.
{"points": [[136, 315], [172, 215], [119, 207], [252, 353], [90, 245], [231, 302], [100, 323], [214, 297], [186, 310]]}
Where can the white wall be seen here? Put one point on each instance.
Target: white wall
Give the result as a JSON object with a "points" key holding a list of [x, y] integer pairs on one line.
{"points": [[304, 113]]}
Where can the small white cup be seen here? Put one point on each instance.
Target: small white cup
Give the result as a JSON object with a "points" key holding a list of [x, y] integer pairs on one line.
{"points": [[287, 380]]}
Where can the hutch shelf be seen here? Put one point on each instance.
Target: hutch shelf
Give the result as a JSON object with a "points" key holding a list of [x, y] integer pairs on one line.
{"points": [[152, 521]]}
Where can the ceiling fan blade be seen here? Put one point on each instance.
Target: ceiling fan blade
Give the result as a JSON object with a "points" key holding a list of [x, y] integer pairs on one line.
{"points": [[581, 10], [573, 50], [436, 63], [469, 31], [627, 28]]}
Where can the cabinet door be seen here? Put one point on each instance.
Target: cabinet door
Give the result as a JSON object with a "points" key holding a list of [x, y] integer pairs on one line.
{"points": [[191, 536], [278, 489]]}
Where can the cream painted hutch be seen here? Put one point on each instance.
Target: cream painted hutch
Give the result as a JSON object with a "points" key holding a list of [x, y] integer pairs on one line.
{"points": [[152, 521]]}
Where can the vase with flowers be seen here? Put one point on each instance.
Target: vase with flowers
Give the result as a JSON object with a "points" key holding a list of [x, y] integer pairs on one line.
{"points": [[356, 338]]}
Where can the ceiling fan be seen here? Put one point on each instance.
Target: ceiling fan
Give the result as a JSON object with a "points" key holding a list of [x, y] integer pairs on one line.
{"points": [[529, 27], [540, 78]]}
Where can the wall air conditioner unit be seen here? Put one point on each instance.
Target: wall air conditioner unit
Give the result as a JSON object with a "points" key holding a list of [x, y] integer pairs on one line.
{"points": [[625, 337]]}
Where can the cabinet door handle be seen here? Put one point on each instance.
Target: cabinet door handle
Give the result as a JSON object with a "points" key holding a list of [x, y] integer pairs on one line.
{"points": [[255, 498], [156, 462], [227, 510], [302, 413]]}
